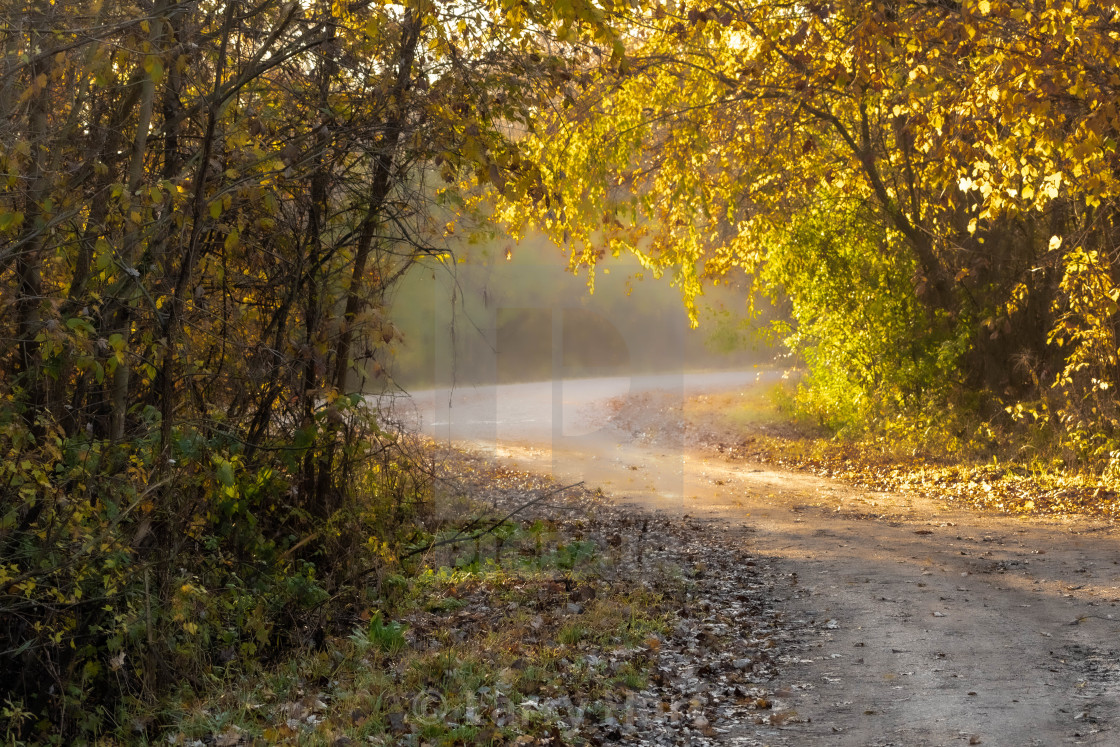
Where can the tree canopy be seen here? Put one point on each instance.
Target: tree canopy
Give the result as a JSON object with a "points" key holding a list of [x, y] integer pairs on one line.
{"points": [[976, 141]]}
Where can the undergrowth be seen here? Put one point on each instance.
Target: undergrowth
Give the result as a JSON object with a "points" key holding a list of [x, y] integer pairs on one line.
{"points": [[129, 577], [480, 643], [404, 616]]}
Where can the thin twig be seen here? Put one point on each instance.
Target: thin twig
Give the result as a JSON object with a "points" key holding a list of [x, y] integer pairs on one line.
{"points": [[493, 525], [458, 536]]}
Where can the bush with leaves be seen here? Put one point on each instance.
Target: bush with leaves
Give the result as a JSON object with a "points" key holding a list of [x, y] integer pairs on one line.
{"points": [[853, 318], [117, 586]]}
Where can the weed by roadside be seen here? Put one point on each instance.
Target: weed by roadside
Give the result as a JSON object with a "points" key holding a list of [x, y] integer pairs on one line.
{"points": [[577, 623]]}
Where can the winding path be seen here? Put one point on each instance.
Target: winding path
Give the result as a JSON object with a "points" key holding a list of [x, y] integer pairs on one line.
{"points": [[924, 625]]}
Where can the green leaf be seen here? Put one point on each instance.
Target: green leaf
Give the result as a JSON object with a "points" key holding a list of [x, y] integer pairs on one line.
{"points": [[10, 220], [224, 472], [78, 324], [104, 260]]}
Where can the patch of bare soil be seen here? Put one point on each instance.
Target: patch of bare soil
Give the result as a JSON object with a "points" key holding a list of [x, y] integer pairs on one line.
{"points": [[922, 623]]}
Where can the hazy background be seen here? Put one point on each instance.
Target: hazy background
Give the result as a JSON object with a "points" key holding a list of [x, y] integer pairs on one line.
{"points": [[504, 312]]}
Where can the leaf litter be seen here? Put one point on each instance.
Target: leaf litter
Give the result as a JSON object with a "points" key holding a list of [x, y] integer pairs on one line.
{"points": [[577, 622]]}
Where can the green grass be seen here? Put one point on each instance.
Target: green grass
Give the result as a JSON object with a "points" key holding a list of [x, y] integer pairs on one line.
{"points": [[451, 643]]}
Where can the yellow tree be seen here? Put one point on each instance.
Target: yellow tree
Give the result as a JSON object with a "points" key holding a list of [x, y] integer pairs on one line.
{"points": [[978, 136]]}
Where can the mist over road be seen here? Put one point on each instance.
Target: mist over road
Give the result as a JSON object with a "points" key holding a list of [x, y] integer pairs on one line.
{"points": [[546, 412], [562, 428]]}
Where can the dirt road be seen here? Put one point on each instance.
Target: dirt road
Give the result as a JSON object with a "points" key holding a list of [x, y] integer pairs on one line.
{"points": [[924, 625]]}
